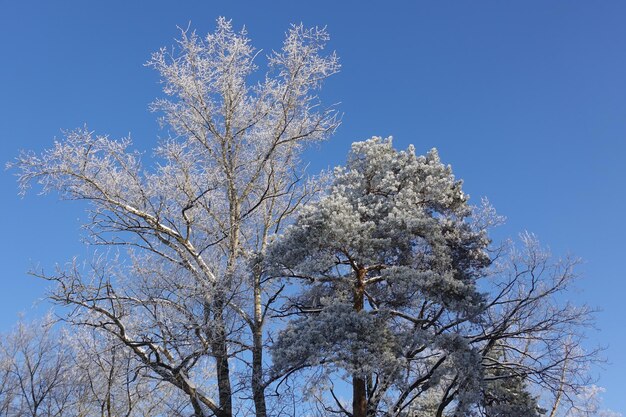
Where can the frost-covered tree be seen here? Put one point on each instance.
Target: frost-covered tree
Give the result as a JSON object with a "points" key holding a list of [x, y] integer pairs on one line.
{"points": [[36, 376], [391, 262], [586, 403], [398, 289], [568, 401], [189, 297], [48, 370], [109, 381]]}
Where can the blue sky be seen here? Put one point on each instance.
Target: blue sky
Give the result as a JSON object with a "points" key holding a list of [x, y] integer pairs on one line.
{"points": [[526, 100]]}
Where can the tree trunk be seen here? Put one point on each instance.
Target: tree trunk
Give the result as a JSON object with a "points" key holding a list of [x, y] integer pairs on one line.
{"points": [[359, 397], [220, 353], [359, 392], [258, 388]]}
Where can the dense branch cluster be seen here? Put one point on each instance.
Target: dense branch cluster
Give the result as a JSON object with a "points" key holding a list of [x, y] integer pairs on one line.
{"points": [[242, 288]]}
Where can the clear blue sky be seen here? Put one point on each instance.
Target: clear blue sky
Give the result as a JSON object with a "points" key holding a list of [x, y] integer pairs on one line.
{"points": [[526, 100]]}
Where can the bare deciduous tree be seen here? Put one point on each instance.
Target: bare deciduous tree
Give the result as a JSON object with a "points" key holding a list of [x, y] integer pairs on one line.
{"points": [[197, 221], [110, 382], [36, 372]]}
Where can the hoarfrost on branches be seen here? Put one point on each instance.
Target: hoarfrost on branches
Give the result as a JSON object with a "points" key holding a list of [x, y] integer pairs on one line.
{"points": [[385, 282], [388, 264], [197, 221]]}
